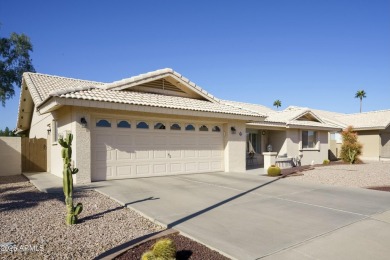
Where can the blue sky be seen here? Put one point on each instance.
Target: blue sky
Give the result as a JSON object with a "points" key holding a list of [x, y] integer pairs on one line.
{"points": [[303, 52]]}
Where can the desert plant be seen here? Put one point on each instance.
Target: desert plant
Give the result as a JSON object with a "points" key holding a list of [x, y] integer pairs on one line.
{"points": [[273, 171], [67, 181], [326, 162], [162, 249], [350, 148]]}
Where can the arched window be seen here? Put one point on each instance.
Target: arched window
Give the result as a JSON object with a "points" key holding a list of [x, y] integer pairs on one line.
{"points": [[203, 128], [159, 126], [123, 124], [175, 127], [216, 129], [142, 125], [103, 123], [190, 127]]}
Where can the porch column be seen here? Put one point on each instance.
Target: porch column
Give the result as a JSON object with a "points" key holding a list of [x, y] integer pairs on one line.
{"points": [[269, 159]]}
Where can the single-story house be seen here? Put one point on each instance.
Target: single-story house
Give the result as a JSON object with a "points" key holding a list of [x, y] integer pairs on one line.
{"points": [[373, 129], [161, 123]]}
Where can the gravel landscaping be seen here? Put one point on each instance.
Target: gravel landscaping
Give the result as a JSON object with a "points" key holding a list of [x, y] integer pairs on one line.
{"points": [[367, 175], [35, 223], [185, 247]]}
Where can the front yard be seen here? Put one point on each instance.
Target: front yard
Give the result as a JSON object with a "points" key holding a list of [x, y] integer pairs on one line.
{"points": [[34, 222], [367, 175]]}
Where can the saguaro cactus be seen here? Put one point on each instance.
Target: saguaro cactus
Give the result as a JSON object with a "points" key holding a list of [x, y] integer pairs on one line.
{"points": [[72, 212]]}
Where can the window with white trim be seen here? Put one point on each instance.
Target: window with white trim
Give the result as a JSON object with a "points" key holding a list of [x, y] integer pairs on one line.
{"points": [[309, 139], [216, 129], [123, 124], [203, 128], [175, 126], [142, 125], [103, 123], [190, 127], [159, 126]]}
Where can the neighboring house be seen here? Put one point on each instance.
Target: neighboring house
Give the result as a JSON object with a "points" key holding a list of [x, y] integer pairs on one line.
{"points": [[160, 123], [373, 129]]}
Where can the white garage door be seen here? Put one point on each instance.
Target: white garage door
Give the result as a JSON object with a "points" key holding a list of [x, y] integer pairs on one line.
{"points": [[130, 152]]}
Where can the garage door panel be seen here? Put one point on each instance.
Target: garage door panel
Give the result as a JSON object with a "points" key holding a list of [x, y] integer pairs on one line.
{"points": [[204, 153], [174, 154], [123, 140], [123, 170], [142, 140], [160, 168], [160, 140], [191, 167], [216, 153], [216, 166], [142, 154], [102, 140], [190, 154], [142, 169], [160, 154], [176, 168], [123, 155], [204, 166]]}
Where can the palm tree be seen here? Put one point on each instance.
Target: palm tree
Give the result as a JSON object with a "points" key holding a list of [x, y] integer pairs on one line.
{"points": [[360, 94], [277, 104]]}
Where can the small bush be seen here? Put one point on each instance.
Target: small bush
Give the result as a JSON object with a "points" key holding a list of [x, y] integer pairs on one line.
{"points": [[274, 171], [350, 148], [326, 162], [162, 249], [148, 256]]}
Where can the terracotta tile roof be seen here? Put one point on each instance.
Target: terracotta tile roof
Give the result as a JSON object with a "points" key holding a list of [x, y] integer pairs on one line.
{"points": [[41, 85], [153, 100]]}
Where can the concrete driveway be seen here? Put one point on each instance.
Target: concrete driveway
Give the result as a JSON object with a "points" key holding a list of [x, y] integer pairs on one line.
{"points": [[249, 217]]}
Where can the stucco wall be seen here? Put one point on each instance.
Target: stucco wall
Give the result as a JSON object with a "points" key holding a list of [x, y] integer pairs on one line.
{"points": [[278, 141], [317, 156], [235, 147], [371, 144], [39, 124], [63, 117], [10, 154]]}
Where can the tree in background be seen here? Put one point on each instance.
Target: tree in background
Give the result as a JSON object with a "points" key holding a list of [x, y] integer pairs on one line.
{"points": [[360, 94], [277, 104], [350, 148], [14, 60], [6, 132]]}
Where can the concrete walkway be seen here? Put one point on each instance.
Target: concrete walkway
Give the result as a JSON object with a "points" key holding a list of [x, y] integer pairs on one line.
{"points": [[250, 217]]}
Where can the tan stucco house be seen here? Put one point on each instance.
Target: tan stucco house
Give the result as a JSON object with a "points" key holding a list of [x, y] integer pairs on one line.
{"points": [[373, 129], [161, 123]]}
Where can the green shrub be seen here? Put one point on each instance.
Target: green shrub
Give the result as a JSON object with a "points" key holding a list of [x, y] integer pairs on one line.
{"points": [[148, 256], [326, 162], [163, 249], [350, 148], [274, 171]]}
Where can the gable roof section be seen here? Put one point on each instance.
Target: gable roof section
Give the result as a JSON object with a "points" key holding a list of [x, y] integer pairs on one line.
{"points": [[173, 78], [296, 117]]}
